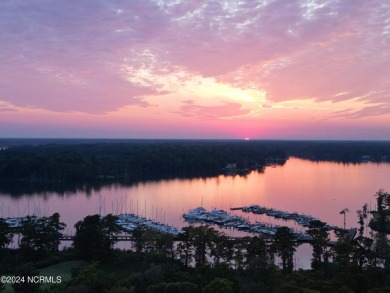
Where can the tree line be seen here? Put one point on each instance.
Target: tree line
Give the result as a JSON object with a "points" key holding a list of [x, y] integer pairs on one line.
{"points": [[339, 151], [128, 161], [73, 161]]}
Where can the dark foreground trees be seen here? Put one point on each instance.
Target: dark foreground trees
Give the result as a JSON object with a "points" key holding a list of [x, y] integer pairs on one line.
{"points": [[95, 237], [223, 265], [25, 272], [40, 236], [5, 234], [284, 245], [321, 254], [381, 219]]}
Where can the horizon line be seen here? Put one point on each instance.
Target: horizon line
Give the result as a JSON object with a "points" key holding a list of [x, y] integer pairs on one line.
{"points": [[195, 139]]}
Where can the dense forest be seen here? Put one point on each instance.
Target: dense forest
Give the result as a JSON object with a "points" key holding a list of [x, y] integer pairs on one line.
{"points": [[199, 259], [121, 161], [130, 160], [339, 151]]}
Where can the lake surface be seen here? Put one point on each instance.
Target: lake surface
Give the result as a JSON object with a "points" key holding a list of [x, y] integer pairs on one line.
{"points": [[321, 189]]}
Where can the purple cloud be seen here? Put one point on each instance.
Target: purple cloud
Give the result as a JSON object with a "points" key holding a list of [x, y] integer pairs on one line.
{"points": [[69, 55]]}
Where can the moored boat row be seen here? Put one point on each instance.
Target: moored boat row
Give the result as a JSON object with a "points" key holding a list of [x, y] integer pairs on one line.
{"points": [[17, 221], [302, 219], [219, 217], [129, 222], [225, 220]]}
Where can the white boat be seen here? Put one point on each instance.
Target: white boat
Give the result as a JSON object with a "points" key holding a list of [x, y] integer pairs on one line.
{"points": [[195, 213]]}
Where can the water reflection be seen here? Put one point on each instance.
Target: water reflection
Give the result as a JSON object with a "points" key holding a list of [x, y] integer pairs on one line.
{"points": [[321, 189], [27, 187]]}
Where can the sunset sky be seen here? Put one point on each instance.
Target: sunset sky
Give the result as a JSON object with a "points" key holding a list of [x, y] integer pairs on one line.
{"points": [[265, 69]]}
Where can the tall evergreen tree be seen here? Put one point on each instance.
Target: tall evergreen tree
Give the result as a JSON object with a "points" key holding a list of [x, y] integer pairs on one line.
{"points": [[185, 249], [284, 245], [317, 230]]}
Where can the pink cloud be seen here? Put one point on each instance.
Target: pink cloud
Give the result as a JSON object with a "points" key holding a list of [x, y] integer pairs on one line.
{"points": [[69, 56], [191, 109]]}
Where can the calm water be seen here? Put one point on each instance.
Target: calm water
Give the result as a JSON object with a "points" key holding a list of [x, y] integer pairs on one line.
{"points": [[321, 189]]}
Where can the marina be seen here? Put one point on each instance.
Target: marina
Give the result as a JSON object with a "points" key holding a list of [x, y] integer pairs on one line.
{"points": [[225, 220], [129, 222], [301, 219]]}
